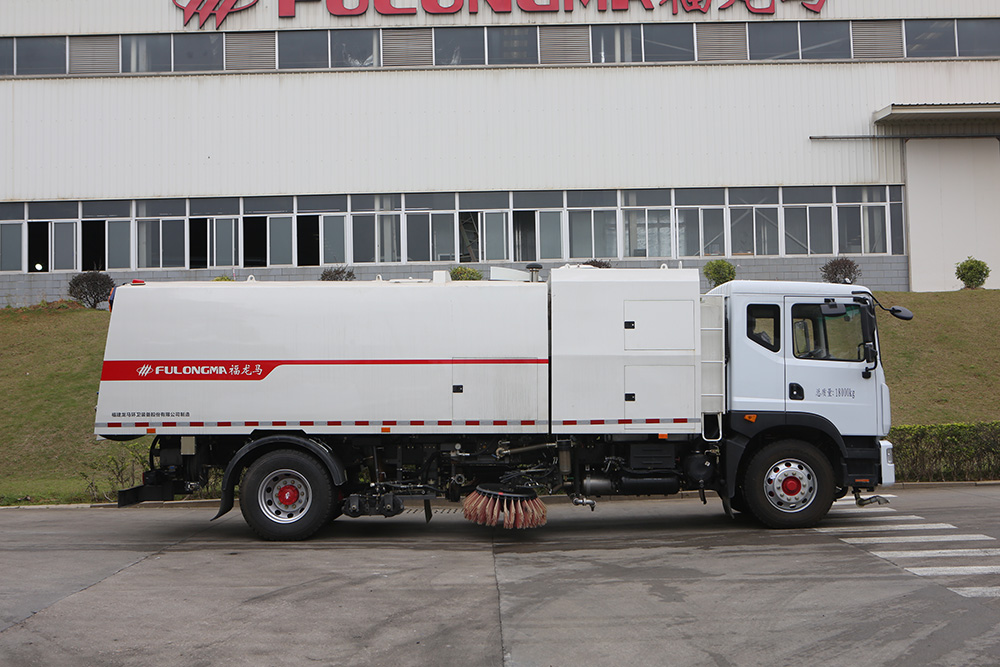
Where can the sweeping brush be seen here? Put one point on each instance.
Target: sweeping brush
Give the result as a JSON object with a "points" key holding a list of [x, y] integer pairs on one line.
{"points": [[518, 507]]}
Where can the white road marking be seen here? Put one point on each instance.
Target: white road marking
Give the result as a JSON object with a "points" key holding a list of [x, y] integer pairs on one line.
{"points": [[937, 553], [875, 529], [860, 510], [872, 519], [899, 539], [957, 571], [978, 592], [850, 500]]}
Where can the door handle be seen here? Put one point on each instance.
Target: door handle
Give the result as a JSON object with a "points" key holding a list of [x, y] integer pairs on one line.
{"points": [[796, 392]]}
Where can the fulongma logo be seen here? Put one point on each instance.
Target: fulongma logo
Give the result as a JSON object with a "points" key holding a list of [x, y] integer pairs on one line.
{"points": [[145, 370], [206, 8]]}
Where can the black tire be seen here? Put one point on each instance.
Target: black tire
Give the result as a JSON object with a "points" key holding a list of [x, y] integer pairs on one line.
{"points": [[789, 484], [286, 495]]}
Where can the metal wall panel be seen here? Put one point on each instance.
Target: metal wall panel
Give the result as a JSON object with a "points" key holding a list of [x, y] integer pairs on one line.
{"points": [[408, 48], [564, 44], [250, 51], [94, 55], [99, 17], [523, 128]]}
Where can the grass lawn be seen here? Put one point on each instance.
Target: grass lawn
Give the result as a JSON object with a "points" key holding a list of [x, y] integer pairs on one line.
{"points": [[943, 366]]}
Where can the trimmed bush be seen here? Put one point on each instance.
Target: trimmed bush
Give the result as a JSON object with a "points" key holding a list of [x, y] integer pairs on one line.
{"points": [[599, 263], [466, 273], [947, 452], [841, 270], [718, 271], [972, 272], [222, 279], [337, 273], [91, 288]]}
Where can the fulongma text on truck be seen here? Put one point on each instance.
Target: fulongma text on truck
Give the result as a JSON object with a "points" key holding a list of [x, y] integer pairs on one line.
{"points": [[321, 399]]}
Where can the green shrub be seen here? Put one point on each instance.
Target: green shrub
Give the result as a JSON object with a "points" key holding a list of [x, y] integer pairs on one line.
{"points": [[972, 272], [91, 288], [466, 273], [337, 273], [222, 279], [947, 452], [719, 271], [841, 270]]}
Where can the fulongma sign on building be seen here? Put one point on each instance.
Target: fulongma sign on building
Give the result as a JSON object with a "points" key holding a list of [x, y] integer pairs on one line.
{"points": [[220, 9]]}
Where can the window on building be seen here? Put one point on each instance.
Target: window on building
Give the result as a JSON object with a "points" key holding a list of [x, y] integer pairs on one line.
{"points": [[896, 226], [6, 56], [254, 241], [550, 235], [145, 53], [92, 245], [825, 40], [160, 243], [482, 235], [225, 242], [322, 203], [198, 243], [363, 228], [978, 38], [354, 48], [808, 230], [764, 325], [160, 208], [512, 46], [198, 52], [10, 246], [307, 240], [119, 244], [334, 243], [459, 46], [616, 43], [38, 247], [646, 232], [430, 237], [665, 42], [773, 41], [593, 234], [930, 38], [701, 232], [849, 229], [41, 55], [302, 49], [525, 236], [280, 241]]}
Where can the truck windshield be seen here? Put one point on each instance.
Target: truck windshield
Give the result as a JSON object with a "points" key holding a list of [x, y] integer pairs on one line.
{"points": [[832, 337]]}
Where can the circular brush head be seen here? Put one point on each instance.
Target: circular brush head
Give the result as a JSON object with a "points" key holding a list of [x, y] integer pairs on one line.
{"points": [[519, 506]]}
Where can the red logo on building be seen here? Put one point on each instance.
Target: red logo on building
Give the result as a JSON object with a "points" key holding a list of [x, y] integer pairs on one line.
{"points": [[206, 8]]}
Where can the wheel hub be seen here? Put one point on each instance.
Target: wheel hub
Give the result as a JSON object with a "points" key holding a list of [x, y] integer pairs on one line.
{"points": [[790, 485], [285, 496]]}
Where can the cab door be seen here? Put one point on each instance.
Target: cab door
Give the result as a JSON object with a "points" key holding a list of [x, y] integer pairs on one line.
{"points": [[825, 364]]}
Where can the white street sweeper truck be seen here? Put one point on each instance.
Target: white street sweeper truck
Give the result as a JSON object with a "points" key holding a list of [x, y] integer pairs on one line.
{"points": [[322, 399]]}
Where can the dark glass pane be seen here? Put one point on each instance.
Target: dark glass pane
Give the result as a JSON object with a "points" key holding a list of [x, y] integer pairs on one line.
{"points": [[647, 197], [753, 196], [459, 46], [255, 241], [307, 240], [418, 237], [216, 206], [263, 205], [354, 48], [430, 201], [700, 196], [796, 231], [927, 38], [155, 208], [849, 223], [41, 55], [825, 40], [476, 201], [616, 43], [6, 56], [668, 43], [11, 211], [513, 46], [376, 202], [538, 199], [197, 243], [173, 243], [591, 198], [10, 247], [854, 193], [741, 230], [299, 49], [774, 41], [895, 193], [807, 195], [821, 231], [322, 203], [978, 37], [364, 238], [197, 52], [145, 53], [49, 210], [107, 209], [896, 228]]}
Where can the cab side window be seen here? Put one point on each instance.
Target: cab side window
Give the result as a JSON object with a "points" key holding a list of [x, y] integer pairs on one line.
{"points": [[835, 335], [764, 325]]}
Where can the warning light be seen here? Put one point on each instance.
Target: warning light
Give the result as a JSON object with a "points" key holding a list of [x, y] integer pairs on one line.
{"points": [[136, 281]]}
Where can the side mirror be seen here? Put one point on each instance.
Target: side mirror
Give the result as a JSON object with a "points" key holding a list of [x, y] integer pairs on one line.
{"points": [[901, 313]]}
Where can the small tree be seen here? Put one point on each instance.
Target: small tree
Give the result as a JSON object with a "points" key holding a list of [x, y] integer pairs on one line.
{"points": [[91, 288], [719, 271], [337, 273], [972, 272], [466, 273], [841, 270]]}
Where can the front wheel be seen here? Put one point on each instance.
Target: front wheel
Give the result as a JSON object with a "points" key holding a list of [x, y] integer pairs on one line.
{"points": [[789, 484], [286, 495]]}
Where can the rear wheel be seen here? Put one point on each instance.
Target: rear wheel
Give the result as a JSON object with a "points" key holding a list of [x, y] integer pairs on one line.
{"points": [[789, 484], [286, 495]]}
